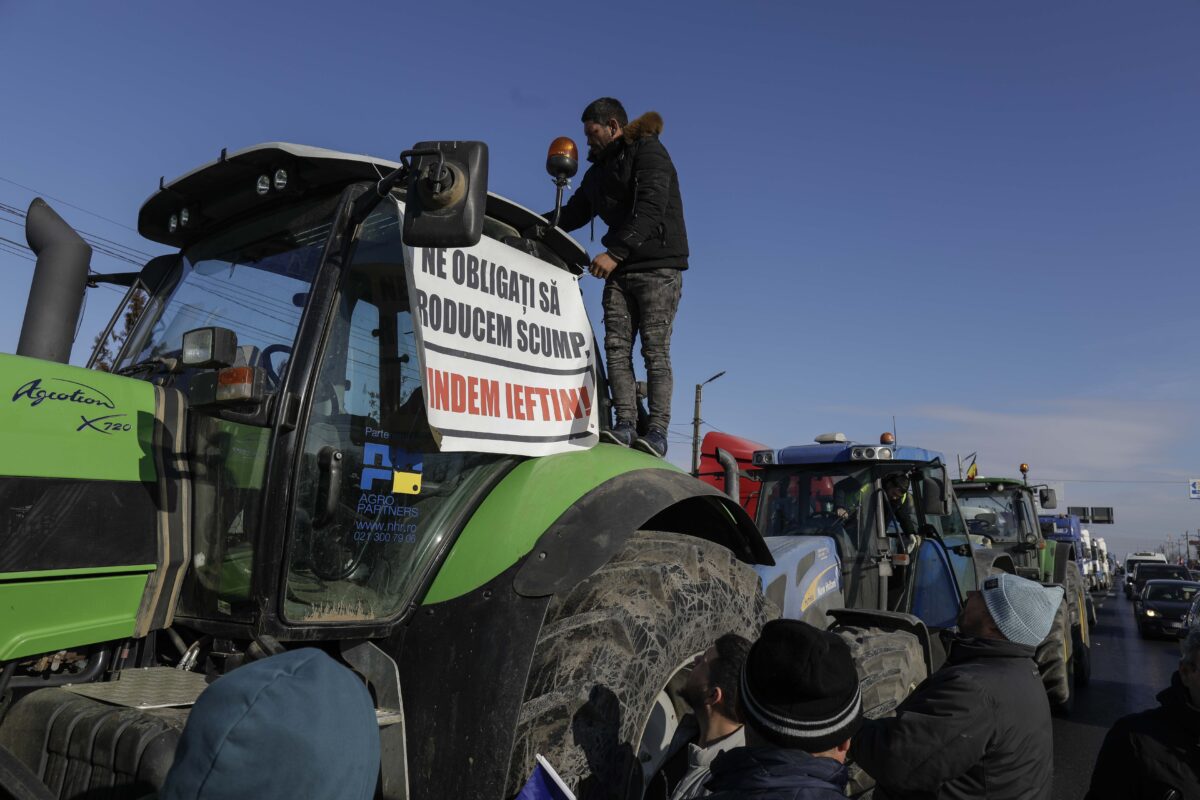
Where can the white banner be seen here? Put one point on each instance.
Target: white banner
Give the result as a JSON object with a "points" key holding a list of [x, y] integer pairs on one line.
{"points": [[506, 351]]}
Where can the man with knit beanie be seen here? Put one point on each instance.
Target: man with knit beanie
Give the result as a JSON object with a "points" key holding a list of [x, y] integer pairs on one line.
{"points": [[800, 703], [980, 726]]}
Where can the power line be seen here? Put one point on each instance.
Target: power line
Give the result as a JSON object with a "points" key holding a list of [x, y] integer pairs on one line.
{"points": [[16, 212], [67, 203]]}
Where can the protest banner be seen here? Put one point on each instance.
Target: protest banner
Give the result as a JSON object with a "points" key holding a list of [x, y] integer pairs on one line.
{"points": [[506, 351]]}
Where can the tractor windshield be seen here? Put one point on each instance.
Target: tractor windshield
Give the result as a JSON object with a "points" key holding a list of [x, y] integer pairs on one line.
{"points": [[993, 515], [252, 278], [818, 500]]}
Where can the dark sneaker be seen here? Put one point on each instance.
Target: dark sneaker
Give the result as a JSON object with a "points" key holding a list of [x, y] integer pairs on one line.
{"points": [[654, 443], [622, 433]]}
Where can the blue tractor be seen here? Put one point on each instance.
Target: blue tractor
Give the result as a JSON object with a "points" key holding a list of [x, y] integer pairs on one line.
{"points": [[863, 535]]}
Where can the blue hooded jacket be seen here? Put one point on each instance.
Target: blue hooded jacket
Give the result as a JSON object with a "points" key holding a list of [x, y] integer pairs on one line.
{"points": [[775, 773], [298, 724]]}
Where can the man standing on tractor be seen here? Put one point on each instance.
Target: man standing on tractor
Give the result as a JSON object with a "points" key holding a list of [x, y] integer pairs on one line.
{"points": [[633, 187]]}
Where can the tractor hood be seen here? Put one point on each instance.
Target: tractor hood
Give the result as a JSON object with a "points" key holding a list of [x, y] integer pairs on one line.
{"points": [[94, 510]]}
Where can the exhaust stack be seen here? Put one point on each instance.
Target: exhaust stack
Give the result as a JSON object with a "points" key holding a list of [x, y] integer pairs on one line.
{"points": [[59, 281]]}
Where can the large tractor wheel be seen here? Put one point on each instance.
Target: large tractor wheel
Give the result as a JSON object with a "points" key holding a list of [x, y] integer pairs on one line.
{"points": [[890, 665], [1081, 634], [612, 647], [1054, 660]]}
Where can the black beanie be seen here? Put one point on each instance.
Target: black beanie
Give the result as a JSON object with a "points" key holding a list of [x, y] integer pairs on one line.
{"points": [[799, 687]]}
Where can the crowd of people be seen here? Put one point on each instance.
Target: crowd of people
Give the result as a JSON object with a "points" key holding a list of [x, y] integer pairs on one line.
{"points": [[774, 719]]}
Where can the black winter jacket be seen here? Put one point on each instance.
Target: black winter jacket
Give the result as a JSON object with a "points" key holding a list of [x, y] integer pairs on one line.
{"points": [[633, 187], [773, 773], [1149, 754], [977, 728]]}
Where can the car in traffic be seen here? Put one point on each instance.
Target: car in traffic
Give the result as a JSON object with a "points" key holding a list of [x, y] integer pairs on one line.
{"points": [[1162, 607], [1192, 619], [1144, 572]]}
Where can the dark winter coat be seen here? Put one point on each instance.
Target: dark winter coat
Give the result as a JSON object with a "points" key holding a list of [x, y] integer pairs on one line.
{"points": [[978, 727], [774, 773], [633, 187], [1147, 755]]}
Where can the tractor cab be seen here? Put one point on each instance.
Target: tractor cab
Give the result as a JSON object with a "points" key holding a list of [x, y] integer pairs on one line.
{"points": [[890, 514], [850, 525], [1001, 515], [287, 312]]}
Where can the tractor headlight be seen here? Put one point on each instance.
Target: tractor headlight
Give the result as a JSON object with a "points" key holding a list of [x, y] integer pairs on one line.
{"points": [[1150, 612], [280, 181], [263, 185]]}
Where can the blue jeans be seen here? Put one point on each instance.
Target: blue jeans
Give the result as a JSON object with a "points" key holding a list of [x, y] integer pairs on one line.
{"points": [[642, 303]]}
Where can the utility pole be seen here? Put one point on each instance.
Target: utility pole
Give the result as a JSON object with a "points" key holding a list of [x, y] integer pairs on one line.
{"points": [[696, 424]]}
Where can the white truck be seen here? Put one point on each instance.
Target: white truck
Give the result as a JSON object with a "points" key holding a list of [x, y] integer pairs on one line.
{"points": [[1103, 569], [1087, 562]]}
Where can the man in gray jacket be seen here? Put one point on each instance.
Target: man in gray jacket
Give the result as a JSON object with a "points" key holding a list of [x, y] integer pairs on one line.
{"points": [[712, 692], [980, 726]]}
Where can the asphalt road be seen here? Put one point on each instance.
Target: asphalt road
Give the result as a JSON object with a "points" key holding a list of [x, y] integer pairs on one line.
{"points": [[1127, 673]]}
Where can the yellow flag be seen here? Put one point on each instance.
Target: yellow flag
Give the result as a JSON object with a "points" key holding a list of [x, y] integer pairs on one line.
{"points": [[972, 471]]}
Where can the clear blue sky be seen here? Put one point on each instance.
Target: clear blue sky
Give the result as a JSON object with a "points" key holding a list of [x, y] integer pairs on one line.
{"points": [[981, 218]]}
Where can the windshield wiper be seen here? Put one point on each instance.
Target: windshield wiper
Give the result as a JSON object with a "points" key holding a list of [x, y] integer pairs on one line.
{"points": [[149, 365]]}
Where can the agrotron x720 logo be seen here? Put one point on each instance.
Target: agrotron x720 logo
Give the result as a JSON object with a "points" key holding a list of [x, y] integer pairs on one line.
{"points": [[62, 390]]}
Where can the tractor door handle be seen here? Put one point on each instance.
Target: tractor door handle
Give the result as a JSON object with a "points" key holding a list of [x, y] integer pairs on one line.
{"points": [[329, 487]]}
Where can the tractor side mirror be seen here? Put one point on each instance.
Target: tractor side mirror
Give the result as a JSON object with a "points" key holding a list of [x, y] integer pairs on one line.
{"points": [[1047, 498], [935, 500], [447, 195]]}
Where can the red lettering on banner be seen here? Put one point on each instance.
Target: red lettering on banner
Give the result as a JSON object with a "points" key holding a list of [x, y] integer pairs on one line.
{"points": [[489, 395], [529, 397], [517, 400], [541, 393], [473, 396], [449, 391], [458, 393]]}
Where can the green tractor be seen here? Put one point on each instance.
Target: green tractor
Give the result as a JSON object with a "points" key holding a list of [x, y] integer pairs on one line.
{"points": [[1002, 516], [257, 472]]}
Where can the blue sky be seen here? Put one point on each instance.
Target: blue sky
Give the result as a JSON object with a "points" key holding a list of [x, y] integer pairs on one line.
{"points": [[979, 218]]}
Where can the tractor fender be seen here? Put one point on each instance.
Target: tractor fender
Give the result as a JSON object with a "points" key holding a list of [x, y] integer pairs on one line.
{"points": [[562, 516], [593, 529]]}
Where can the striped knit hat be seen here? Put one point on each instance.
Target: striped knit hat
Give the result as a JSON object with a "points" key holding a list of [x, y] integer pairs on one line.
{"points": [[799, 687]]}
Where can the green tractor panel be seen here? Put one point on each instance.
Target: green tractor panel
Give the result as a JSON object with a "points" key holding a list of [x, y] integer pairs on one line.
{"points": [[257, 473]]}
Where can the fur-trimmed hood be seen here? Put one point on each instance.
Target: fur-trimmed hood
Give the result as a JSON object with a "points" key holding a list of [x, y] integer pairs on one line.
{"points": [[648, 124]]}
